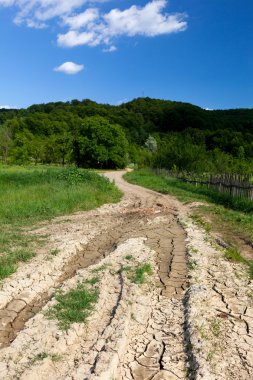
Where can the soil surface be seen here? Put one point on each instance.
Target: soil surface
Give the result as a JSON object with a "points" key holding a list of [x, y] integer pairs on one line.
{"points": [[192, 318]]}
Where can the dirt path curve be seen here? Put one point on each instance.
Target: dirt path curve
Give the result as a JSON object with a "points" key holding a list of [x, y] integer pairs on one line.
{"points": [[137, 330], [192, 318]]}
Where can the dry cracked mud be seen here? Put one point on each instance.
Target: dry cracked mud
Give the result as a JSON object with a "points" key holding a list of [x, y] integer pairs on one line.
{"points": [[192, 318]]}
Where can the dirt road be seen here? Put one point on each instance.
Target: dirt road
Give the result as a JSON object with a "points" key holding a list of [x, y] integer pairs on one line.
{"points": [[169, 327]]}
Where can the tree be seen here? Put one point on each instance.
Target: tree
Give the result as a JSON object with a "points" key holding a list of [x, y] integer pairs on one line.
{"points": [[5, 141], [100, 144], [151, 144], [22, 147]]}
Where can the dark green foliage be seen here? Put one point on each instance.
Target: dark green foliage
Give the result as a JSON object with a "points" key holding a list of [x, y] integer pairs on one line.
{"points": [[100, 135], [100, 144]]}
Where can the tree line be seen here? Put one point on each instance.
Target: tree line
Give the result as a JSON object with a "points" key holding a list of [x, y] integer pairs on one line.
{"points": [[145, 131]]}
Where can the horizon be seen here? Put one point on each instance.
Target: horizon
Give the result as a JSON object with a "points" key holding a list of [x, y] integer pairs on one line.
{"points": [[7, 108]]}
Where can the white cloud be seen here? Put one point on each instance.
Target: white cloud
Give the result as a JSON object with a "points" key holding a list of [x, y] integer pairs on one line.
{"points": [[87, 25], [73, 38], [69, 68], [149, 21], [110, 49], [81, 20], [36, 12]]}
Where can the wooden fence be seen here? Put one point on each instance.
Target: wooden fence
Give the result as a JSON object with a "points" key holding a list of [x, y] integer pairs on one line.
{"points": [[236, 185]]}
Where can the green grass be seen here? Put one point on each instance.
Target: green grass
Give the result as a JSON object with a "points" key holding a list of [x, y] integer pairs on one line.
{"points": [[54, 252], [73, 306], [125, 268], [56, 357], [128, 257], [93, 280], [101, 268], [201, 223], [136, 273], [141, 273], [30, 195], [234, 255], [43, 355], [39, 357]]}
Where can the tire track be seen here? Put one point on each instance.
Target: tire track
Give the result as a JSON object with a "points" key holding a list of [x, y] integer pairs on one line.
{"points": [[140, 333]]}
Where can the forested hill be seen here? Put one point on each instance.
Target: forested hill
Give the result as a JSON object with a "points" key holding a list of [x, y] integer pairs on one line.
{"points": [[154, 114], [58, 132]]}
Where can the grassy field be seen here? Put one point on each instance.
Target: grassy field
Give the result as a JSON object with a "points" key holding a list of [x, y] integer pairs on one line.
{"points": [[29, 196], [232, 218]]}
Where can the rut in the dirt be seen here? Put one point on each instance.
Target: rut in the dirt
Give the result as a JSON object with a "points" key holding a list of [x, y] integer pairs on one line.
{"points": [[156, 350], [17, 312], [163, 240], [152, 333]]}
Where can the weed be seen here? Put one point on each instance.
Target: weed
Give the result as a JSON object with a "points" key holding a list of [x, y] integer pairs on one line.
{"points": [[201, 223], [9, 261], [54, 252], [126, 268], [216, 327], [129, 257], [192, 265], [56, 357], [93, 280], [210, 355], [101, 268], [139, 277], [234, 255], [238, 275], [202, 332], [113, 272], [39, 357], [43, 355], [73, 306], [184, 225]]}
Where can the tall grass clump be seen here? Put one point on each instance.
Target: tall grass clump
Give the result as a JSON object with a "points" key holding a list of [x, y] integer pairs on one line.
{"points": [[73, 306]]}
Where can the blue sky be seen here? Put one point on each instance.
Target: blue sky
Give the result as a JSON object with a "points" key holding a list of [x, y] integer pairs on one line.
{"points": [[198, 51]]}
